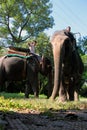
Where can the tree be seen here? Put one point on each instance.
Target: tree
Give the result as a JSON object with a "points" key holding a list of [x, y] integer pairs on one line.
{"points": [[82, 45], [3, 51], [44, 46], [22, 19]]}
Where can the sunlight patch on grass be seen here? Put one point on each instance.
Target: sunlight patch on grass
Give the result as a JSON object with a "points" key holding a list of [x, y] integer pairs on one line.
{"points": [[17, 102]]}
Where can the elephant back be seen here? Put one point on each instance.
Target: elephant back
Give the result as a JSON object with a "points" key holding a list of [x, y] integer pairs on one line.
{"points": [[33, 62]]}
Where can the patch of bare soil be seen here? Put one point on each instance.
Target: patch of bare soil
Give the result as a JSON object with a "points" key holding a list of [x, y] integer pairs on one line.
{"points": [[50, 120]]}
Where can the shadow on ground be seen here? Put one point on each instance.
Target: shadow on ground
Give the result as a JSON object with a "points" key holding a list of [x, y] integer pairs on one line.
{"points": [[51, 119]]}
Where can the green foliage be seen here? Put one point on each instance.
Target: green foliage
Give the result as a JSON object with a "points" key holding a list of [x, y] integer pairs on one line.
{"points": [[3, 51], [83, 91], [82, 48], [82, 45], [22, 19], [84, 58], [44, 46]]}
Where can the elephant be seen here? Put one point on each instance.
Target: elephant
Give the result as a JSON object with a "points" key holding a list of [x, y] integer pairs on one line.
{"points": [[17, 68], [74, 80], [64, 51]]}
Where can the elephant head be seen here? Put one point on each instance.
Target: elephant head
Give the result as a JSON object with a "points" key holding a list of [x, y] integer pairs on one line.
{"points": [[46, 70], [63, 44]]}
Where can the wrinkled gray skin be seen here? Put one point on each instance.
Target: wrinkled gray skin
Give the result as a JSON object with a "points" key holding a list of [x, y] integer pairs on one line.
{"points": [[64, 45], [17, 69]]}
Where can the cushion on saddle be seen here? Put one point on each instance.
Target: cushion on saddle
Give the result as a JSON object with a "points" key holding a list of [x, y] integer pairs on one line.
{"points": [[17, 55], [19, 49], [10, 51]]}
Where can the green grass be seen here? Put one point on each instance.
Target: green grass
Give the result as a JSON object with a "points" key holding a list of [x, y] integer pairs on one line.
{"points": [[16, 102]]}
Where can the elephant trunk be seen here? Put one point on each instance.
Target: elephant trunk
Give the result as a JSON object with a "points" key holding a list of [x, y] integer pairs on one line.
{"points": [[57, 70]]}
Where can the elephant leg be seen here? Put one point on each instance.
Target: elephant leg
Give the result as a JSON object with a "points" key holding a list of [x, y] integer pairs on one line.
{"points": [[71, 90], [77, 88], [2, 86], [76, 96], [49, 92], [27, 89], [71, 94], [2, 81], [7, 83], [36, 92], [35, 85], [67, 91], [35, 88], [76, 91], [62, 93], [49, 84]]}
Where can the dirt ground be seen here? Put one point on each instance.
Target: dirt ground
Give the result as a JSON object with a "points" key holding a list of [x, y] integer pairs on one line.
{"points": [[52, 120]]}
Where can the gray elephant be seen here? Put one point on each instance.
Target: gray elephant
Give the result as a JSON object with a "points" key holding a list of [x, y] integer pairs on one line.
{"points": [[74, 79], [16, 68], [77, 71], [64, 44]]}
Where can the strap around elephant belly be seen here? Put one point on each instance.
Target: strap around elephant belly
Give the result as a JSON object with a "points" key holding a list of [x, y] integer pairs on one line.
{"points": [[17, 55]]}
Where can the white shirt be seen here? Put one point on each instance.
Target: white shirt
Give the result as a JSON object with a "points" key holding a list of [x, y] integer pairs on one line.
{"points": [[32, 48]]}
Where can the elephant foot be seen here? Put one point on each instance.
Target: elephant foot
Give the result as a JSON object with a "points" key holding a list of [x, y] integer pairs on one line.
{"points": [[51, 98], [61, 99], [76, 96], [76, 99]]}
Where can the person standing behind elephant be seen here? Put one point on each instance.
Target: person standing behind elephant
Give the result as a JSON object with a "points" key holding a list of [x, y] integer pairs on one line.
{"points": [[32, 46], [68, 32], [71, 35], [68, 29]]}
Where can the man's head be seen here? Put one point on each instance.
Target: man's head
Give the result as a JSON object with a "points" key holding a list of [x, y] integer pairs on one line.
{"points": [[34, 42], [68, 29]]}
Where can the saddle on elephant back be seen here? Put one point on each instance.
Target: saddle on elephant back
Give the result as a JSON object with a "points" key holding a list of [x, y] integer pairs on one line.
{"points": [[21, 52], [18, 50]]}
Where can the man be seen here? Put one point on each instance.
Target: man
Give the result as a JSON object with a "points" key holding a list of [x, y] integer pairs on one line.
{"points": [[68, 29], [32, 46], [32, 49], [70, 34]]}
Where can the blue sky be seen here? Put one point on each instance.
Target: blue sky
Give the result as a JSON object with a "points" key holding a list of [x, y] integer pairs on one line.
{"points": [[69, 13]]}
